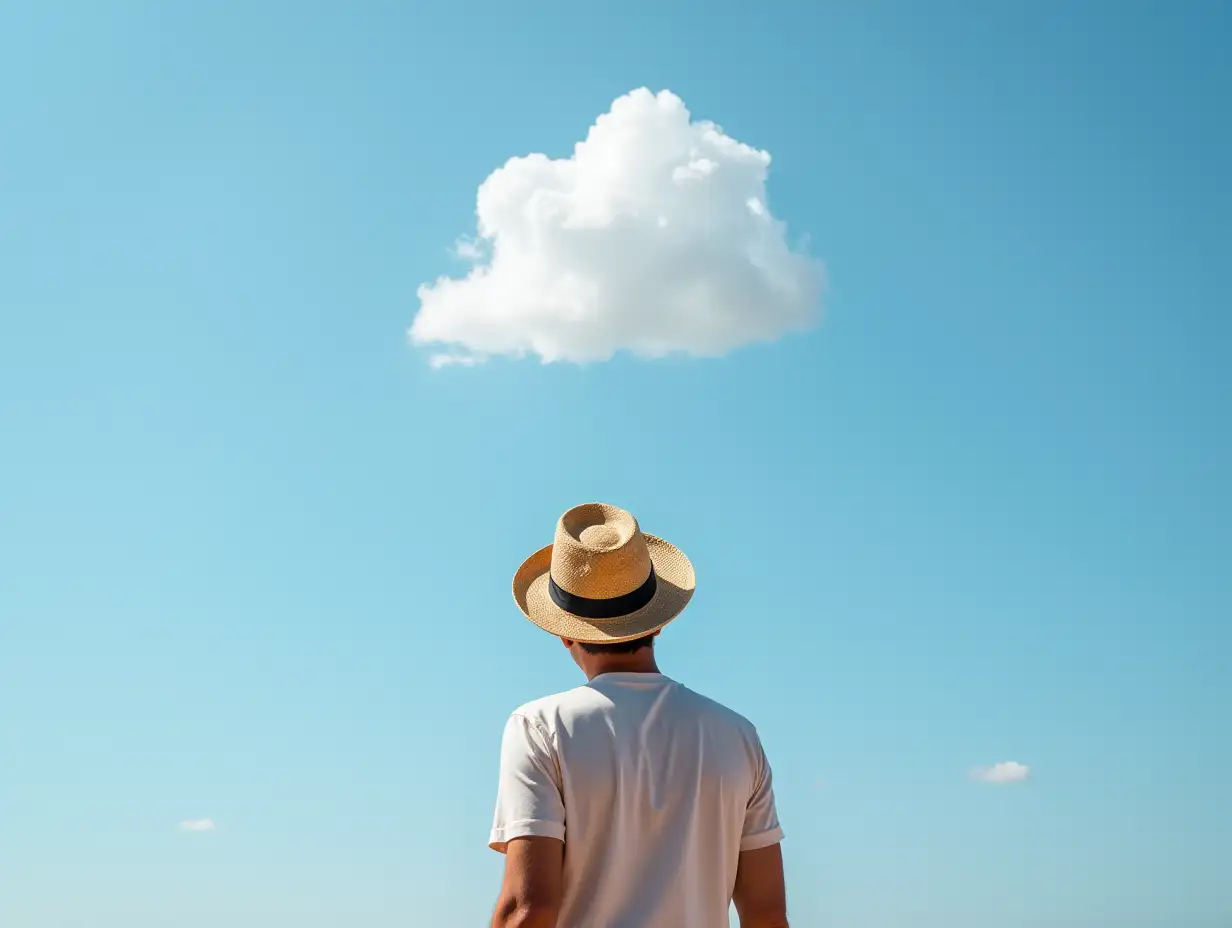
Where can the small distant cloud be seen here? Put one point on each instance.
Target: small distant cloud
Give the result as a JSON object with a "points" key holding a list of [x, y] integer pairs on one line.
{"points": [[1007, 771], [437, 361], [198, 824], [468, 249]]}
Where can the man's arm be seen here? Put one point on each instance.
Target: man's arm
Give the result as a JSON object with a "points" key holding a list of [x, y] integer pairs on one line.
{"points": [[534, 883], [760, 894]]}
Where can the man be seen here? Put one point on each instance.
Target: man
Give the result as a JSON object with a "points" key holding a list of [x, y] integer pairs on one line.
{"points": [[630, 802]]}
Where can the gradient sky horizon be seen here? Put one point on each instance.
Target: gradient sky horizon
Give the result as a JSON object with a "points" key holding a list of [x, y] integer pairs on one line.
{"points": [[255, 553]]}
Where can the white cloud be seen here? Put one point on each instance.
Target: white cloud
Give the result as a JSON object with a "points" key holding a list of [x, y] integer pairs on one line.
{"points": [[654, 237], [198, 824], [1007, 771], [453, 360], [468, 249]]}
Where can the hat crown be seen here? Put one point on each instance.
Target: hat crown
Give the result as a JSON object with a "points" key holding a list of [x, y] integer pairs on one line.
{"points": [[599, 552]]}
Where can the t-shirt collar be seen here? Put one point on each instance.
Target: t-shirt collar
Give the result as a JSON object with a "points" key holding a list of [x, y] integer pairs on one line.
{"points": [[630, 676]]}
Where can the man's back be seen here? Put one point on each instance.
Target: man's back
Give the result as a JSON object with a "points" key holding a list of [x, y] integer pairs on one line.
{"points": [[655, 791]]}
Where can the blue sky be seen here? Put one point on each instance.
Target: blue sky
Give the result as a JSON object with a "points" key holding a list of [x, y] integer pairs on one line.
{"points": [[256, 553]]}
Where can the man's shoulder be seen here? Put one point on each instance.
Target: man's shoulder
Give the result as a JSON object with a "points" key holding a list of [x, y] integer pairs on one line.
{"points": [[712, 707], [547, 709], [549, 712]]}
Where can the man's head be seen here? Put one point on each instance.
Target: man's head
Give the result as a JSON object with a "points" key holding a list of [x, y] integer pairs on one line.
{"points": [[603, 578], [624, 656]]}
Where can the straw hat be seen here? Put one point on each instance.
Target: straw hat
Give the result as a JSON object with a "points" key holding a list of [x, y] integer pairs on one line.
{"points": [[602, 581]]}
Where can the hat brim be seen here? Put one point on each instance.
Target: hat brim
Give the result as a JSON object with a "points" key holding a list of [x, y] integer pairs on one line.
{"points": [[674, 585]]}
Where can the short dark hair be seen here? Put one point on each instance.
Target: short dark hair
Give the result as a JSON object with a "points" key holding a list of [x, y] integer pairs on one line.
{"points": [[622, 647]]}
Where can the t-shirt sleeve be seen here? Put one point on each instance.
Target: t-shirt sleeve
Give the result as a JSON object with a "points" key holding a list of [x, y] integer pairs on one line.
{"points": [[761, 818], [528, 796]]}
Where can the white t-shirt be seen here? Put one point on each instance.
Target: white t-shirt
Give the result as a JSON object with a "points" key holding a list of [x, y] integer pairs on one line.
{"points": [[655, 791]]}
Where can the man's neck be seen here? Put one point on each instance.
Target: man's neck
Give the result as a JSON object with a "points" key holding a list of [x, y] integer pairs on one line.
{"points": [[623, 663]]}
